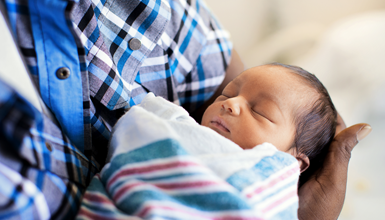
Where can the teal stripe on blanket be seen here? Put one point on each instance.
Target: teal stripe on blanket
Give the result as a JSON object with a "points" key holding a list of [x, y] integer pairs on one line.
{"points": [[103, 208], [157, 150], [261, 171], [208, 202]]}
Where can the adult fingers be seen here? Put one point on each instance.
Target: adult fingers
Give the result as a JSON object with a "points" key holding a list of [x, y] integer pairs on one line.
{"points": [[348, 138], [323, 196], [337, 161]]}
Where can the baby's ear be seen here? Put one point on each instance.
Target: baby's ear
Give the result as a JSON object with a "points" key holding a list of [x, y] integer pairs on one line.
{"points": [[303, 161]]}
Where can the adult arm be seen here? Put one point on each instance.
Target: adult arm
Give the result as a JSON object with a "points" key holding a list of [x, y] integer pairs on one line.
{"points": [[233, 70], [322, 196]]}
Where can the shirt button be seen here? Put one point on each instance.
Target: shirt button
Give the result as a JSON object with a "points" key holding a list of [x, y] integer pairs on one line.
{"points": [[63, 73], [48, 145], [135, 44]]}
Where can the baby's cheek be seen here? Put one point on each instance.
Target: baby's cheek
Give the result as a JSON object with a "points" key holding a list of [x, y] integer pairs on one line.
{"points": [[204, 120]]}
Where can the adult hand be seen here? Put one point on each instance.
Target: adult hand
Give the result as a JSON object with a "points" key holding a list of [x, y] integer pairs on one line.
{"points": [[322, 196]]}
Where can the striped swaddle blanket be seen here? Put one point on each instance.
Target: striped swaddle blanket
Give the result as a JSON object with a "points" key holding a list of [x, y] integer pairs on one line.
{"points": [[163, 165]]}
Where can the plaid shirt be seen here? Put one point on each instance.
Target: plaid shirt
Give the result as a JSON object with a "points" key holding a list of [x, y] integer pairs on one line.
{"points": [[42, 174], [182, 56]]}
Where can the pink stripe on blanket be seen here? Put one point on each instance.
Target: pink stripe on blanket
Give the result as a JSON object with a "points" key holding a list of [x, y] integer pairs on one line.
{"points": [[186, 185], [288, 196], [148, 169], [97, 198], [85, 213], [273, 182], [169, 186]]}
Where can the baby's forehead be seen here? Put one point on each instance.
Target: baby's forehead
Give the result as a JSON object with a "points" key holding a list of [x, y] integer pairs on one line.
{"points": [[286, 81], [282, 73]]}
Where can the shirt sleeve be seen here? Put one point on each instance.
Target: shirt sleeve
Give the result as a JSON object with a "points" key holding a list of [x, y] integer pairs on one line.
{"points": [[42, 174], [20, 197]]}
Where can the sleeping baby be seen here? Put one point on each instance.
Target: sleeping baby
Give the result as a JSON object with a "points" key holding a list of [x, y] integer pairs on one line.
{"points": [[270, 123], [280, 104]]}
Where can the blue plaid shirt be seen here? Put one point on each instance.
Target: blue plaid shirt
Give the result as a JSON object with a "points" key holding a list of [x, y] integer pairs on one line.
{"points": [[182, 56]]}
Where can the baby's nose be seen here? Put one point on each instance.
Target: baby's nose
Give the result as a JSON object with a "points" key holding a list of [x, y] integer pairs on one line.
{"points": [[231, 106]]}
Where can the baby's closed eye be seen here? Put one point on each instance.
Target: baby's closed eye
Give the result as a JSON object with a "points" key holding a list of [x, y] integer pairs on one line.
{"points": [[260, 114]]}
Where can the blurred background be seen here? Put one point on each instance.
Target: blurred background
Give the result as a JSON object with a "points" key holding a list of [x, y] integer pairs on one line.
{"points": [[343, 43]]}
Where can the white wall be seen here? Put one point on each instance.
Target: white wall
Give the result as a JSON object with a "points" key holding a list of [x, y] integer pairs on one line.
{"points": [[264, 30]]}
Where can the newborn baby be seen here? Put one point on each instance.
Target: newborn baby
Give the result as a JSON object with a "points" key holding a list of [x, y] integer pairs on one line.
{"points": [[161, 163], [280, 104]]}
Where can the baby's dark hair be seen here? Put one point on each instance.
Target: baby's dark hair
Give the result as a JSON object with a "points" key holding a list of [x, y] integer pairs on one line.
{"points": [[315, 123]]}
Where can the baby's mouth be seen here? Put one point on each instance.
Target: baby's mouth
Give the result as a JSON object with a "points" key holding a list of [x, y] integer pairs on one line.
{"points": [[218, 123]]}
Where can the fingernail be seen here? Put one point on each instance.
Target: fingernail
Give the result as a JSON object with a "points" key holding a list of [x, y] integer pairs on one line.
{"points": [[361, 134]]}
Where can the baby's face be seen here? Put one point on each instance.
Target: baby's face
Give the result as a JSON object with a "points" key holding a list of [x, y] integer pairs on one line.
{"points": [[258, 106]]}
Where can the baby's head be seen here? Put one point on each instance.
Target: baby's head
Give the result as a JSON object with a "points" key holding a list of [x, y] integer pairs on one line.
{"points": [[280, 104]]}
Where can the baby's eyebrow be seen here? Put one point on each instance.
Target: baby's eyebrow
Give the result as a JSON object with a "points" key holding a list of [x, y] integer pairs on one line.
{"points": [[231, 84], [236, 81]]}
